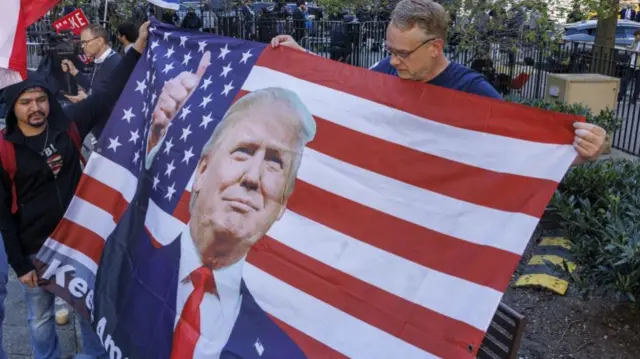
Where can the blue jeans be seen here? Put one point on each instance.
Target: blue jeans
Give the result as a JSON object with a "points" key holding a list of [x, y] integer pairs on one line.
{"points": [[42, 328], [4, 278]]}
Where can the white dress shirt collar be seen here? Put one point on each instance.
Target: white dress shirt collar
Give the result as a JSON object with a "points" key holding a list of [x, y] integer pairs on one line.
{"points": [[103, 57], [228, 279]]}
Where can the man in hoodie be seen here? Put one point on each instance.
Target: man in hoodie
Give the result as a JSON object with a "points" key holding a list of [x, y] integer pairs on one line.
{"points": [[48, 170]]}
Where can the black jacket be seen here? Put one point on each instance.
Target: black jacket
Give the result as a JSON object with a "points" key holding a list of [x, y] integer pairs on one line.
{"points": [[191, 21], [42, 197], [102, 75]]}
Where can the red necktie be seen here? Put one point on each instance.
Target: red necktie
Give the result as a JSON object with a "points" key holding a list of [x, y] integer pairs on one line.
{"points": [[187, 332]]}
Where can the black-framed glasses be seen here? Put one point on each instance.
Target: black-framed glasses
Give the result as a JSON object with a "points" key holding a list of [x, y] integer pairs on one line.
{"points": [[405, 54], [86, 42]]}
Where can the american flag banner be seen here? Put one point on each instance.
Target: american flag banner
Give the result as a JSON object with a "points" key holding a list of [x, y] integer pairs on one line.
{"points": [[411, 208]]}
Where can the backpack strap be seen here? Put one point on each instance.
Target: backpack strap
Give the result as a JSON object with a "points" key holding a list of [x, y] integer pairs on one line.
{"points": [[8, 159], [77, 141]]}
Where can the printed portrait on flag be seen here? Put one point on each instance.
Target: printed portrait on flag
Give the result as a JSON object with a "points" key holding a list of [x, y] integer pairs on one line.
{"points": [[241, 185], [250, 202]]}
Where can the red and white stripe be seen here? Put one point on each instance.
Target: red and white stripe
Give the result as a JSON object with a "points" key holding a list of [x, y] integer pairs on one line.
{"points": [[411, 209], [18, 15]]}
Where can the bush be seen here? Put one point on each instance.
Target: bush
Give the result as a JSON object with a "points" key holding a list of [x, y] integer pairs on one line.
{"points": [[599, 204]]}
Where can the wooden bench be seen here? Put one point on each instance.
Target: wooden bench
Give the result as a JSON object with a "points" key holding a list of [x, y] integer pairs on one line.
{"points": [[503, 336]]}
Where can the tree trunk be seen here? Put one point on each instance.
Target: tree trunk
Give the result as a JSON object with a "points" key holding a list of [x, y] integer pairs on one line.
{"points": [[603, 60]]}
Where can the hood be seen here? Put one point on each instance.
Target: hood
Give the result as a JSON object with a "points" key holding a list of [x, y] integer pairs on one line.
{"points": [[13, 92]]}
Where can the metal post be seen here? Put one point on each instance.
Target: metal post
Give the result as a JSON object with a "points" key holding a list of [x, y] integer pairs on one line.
{"points": [[104, 21], [540, 68]]}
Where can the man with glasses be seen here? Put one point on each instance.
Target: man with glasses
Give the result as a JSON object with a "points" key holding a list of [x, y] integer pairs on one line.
{"points": [[415, 41], [94, 40]]}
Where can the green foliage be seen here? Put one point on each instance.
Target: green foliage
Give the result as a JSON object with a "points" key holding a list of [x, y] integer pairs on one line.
{"points": [[606, 119], [510, 23], [599, 204], [599, 207], [336, 6]]}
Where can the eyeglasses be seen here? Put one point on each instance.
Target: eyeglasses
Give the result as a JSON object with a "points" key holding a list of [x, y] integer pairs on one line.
{"points": [[405, 54], [84, 43]]}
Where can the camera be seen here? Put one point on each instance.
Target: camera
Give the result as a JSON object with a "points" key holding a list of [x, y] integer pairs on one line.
{"points": [[54, 49]]}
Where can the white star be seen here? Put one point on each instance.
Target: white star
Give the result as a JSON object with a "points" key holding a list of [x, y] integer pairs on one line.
{"points": [[224, 51], [166, 36], [205, 120], [202, 45], [128, 115], [155, 58], [153, 97], [154, 44], [185, 112], [227, 89], [246, 56], [134, 136], [187, 58], [185, 133], [170, 191], [136, 156], [113, 144], [206, 83], [148, 74], [170, 168], [145, 109], [167, 68], [153, 78], [183, 41], [170, 52], [225, 70], [152, 29], [156, 180], [168, 146], [187, 155], [141, 86], [205, 101]]}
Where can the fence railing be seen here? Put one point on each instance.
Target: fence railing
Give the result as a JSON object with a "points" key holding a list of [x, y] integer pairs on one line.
{"points": [[513, 69]]}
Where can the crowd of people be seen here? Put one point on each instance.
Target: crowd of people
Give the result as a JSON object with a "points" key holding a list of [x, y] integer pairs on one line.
{"points": [[43, 137]]}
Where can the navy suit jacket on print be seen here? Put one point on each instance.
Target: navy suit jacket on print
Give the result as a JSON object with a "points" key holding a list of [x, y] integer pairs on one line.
{"points": [[136, 289]]}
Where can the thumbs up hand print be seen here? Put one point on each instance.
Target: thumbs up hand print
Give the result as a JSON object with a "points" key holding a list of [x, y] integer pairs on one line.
{"points": [[175, 94]]}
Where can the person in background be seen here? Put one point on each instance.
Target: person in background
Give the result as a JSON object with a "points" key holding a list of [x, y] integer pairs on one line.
{"points": [[95, 43], [627, 13], [632, 72], [127, 35], [191, 20], [416, 38], [49, 167], [209, 19], [300, 16], [248, 18], [170, 17], [94, 40]]}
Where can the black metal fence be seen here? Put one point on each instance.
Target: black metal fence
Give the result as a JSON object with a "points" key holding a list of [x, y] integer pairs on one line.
{"points": [[513, 67], [523, 71]]}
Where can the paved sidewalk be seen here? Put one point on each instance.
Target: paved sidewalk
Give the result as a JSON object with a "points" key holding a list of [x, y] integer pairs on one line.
{"points": [[16, 338]]}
